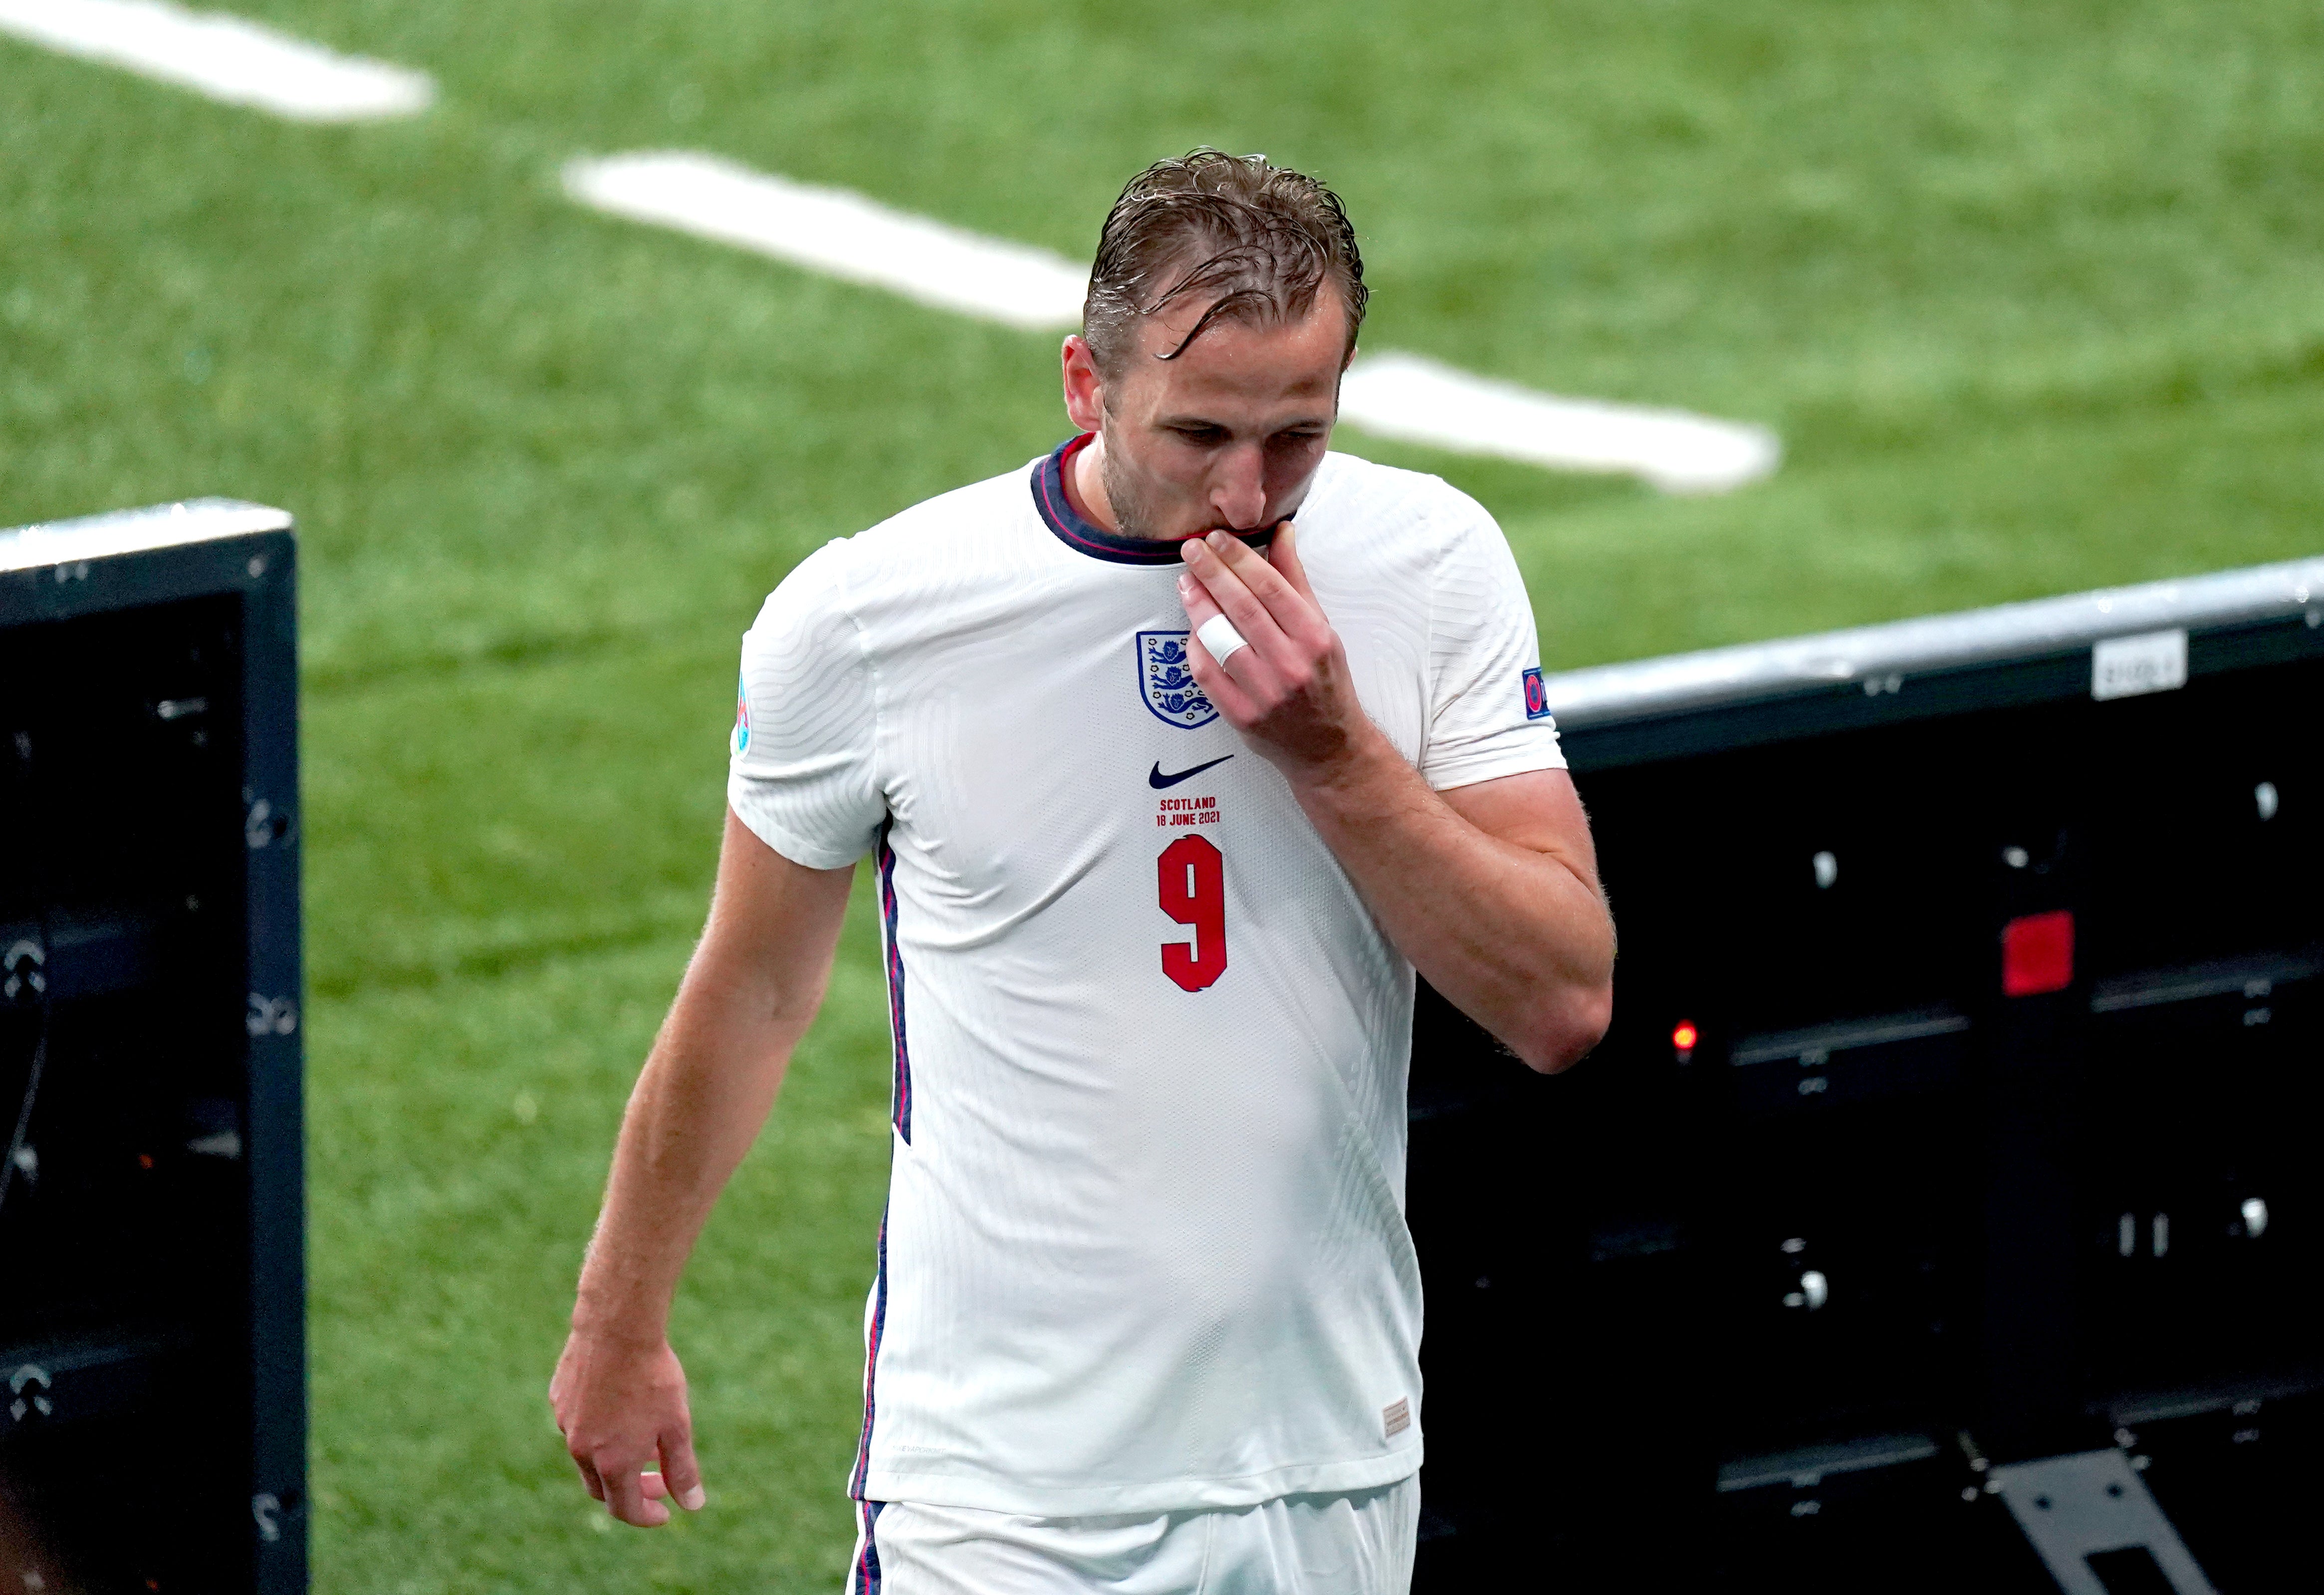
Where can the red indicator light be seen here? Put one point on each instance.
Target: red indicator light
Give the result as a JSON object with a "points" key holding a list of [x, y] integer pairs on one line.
{"points": [[2037, 955], [1685, 1036], [144, 1159]]}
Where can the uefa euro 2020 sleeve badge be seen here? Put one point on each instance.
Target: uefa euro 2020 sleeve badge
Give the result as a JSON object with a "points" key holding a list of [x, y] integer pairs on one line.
{"points": [[1166, 681], [742, 716]]}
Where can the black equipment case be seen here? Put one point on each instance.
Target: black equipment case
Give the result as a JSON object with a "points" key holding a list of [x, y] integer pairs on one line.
{"points": [[1943, 1211], [153, 1380]]}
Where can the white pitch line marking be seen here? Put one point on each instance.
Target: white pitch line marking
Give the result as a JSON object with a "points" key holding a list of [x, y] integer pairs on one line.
{"points": [[1414, 400], [838, 233], [1404, 397], [222, 57]]}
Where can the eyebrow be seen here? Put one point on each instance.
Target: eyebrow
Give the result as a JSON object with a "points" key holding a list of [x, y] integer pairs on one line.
{"points": [[1216, 426]]}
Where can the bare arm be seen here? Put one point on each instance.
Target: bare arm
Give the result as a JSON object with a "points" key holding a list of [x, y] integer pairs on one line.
{"points": [[1491, 891], [749, 994]]}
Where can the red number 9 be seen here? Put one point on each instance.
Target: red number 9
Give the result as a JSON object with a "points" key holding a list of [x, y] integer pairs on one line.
{"points": [[1193, 882]]}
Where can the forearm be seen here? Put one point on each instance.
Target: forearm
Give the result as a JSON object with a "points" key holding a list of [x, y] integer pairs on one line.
{"points": [[1516, 936], [699, 1103], [1492, 894], [749, 994]]}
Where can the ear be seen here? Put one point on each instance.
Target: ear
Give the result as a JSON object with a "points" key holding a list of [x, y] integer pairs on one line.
{"points": [[1084, 387]]}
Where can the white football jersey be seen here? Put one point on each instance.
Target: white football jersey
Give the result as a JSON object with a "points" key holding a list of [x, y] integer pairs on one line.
{"points": [[1145, 1248]]}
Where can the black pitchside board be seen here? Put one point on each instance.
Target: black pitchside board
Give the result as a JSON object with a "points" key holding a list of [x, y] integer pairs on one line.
{"points": [[1944, 1210], [152, 1381]]}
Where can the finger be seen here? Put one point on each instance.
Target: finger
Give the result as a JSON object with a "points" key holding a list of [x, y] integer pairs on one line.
{"points": [[1293, 632], [1240, 604], [655, 1486], [1200, 605], [1282, 554], [589, 1480], [625, 1498], [1284, 603], [682, 1472], [1264, 666], [1234, 683], [1223, 689]]}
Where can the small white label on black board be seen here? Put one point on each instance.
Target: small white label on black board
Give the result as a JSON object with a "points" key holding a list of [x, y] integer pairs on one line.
{"points": [[2126, 667]]}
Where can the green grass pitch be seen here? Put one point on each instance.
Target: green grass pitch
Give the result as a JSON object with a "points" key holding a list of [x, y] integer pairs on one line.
{"points": [[2030, 292]]}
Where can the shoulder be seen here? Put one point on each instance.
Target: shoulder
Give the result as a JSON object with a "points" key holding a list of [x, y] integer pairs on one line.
{"points": [[946, 533], [1361, 493], [944, 526], [1403, 526], [1414, 532]]}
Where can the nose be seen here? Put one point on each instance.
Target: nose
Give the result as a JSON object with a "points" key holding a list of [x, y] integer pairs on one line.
{"points": [[1238, 487]]}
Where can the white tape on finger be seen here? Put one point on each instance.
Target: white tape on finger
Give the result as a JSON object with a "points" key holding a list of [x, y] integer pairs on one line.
{"points": [[1219, 635]]}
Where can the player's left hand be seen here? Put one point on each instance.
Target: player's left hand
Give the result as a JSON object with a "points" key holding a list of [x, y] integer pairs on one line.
{"points": [[1288, 692]]}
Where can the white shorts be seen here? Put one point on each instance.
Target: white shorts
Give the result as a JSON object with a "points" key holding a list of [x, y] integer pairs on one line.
{"points": [[1304, 1545]]}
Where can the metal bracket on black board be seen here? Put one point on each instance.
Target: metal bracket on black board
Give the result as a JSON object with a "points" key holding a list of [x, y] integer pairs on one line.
{"points": [[2097, 1528]]}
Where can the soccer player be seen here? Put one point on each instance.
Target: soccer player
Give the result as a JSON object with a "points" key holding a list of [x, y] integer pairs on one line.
{"points": [[1167, 800]]}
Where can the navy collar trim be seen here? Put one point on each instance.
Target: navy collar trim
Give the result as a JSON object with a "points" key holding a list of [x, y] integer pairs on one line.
{"points": [[1058, 515]]}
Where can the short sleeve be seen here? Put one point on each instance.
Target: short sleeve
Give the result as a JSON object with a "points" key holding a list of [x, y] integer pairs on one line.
{"points": [[1487, 716], [805, 718]]}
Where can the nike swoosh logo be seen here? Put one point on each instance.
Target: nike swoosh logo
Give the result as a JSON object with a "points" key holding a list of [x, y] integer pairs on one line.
{"points": [[1157, 780]]}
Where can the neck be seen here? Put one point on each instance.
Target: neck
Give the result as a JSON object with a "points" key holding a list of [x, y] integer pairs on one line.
{"points": [[1085, 486]]}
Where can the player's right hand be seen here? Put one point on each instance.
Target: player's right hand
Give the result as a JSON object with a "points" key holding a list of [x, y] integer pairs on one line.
{"points": [[620, 1405]]}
